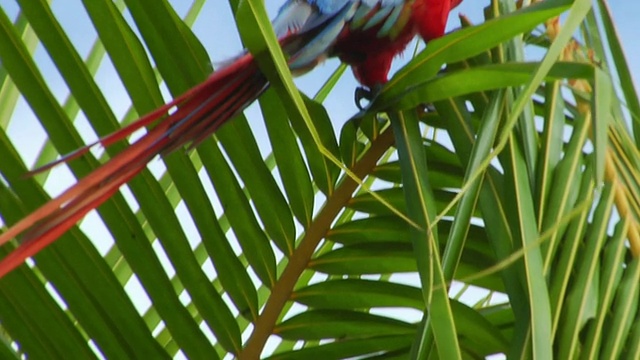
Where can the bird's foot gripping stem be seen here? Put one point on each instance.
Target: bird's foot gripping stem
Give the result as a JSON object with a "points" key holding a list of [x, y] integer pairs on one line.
{"points": [[366, 94]]}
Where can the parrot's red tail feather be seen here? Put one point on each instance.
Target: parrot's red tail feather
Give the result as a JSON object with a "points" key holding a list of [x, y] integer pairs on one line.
{"points": [[188, 101], [199, 112]]}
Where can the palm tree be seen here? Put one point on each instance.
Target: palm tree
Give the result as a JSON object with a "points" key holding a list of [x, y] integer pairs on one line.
{"points": [[501, 219]]}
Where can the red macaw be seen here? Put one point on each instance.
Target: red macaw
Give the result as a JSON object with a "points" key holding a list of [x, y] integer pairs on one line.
{"points": [[366, 34]]}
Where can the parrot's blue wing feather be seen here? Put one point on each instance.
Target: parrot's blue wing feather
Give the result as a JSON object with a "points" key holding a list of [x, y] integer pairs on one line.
{"points": [[360, 17], [293, 15], [391, 21], [331, 6], [297, 16], [318, 22], [317, 48], [378, 17], [324, 21]]}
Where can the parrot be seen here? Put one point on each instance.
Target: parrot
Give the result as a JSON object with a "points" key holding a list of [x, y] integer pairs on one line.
{"points": [[365, 34]]}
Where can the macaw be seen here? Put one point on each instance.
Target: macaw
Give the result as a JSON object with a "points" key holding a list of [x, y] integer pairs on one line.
{"points": [[366, 34]]}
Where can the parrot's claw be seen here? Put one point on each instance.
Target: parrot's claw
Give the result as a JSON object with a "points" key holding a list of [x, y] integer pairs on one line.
{"points": [[362, 93], [366, 94]]}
